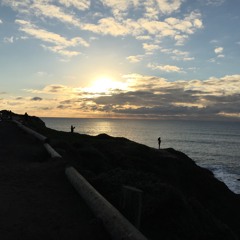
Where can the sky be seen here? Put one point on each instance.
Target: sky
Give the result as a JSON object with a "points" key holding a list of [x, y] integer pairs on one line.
{"points": [[155, 59]]}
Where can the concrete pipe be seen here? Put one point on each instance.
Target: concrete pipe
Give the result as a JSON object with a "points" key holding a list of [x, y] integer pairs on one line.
{"points": [[32, 132], [51, 151], [116, 224]]}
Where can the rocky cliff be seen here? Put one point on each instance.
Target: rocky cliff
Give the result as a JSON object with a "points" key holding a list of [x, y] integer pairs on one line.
{"points": [[180, 199]]}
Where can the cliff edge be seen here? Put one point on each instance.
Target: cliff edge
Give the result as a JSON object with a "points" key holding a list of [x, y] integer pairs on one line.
{"points": [[180, 199]]}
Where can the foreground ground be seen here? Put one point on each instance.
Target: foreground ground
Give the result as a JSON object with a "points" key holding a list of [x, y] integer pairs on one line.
{"points": [[181, 201], [37, 202]]}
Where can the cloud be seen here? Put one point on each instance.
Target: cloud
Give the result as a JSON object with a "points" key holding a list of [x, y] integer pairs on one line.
{"points": [[167, 7], [59, 89], [52, 11], [150, 48], [116, 4], [59, 43], [145, 21], [44, 9], [219, 54], [158, 6], [188, 25], [52, 89], [218, 50], [165, 68], [177, 55], [144, 38], [50, 37], [146, 28], [135, 59], [108, 26], [62, 107], [185, 99], [214, 41], [145, 96], [36, 99], [42, 74], [80, 5], [61, 51], [8, 39], [1, 22], [180, 39], [215, 2]]}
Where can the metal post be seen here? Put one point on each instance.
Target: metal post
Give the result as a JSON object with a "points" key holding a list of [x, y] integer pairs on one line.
{"points": [[131, 204]]}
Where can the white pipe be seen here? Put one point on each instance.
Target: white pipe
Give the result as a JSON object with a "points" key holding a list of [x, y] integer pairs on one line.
{"points": [[116, 224], [51, 151], [32, 132], [40, 137]]}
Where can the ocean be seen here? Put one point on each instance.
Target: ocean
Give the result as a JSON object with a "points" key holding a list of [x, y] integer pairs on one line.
{"points": [[213, 145]]}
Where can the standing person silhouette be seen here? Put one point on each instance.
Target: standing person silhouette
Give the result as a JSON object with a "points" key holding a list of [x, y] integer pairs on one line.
{"points": [[72, 128], [159, 142]]}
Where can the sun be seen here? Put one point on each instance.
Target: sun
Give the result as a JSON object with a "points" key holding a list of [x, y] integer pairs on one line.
{"points": [[104, 84]]}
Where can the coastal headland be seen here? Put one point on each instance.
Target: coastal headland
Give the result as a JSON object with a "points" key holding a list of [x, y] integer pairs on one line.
{"points": [[180, 199]]}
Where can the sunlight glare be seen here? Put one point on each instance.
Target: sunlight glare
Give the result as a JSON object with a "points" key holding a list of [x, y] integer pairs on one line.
{"points": [[104, 85]]}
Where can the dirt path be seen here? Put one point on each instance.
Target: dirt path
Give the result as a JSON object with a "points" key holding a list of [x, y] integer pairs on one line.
{"points": [[36, 200]]}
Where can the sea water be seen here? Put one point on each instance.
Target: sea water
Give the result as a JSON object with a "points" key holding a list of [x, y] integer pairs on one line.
{"points": [[213, 145]]}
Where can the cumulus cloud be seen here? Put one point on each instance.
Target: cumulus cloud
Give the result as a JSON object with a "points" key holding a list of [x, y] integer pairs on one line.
{"points": [[80, 5], [215, 2], [52, 89], [219, 53], [151, 6], [107, 26], [8, 39], [135, 59], [122, 5], [167, 7], [165, 68], [45, 9], [145, 96], [52, 11], [145, 21], [155, 24], [199, 99], [61, 51], [150, 48], [177, 55], [50, 37], [218, 50], [59, 43], [36, 99], [114, 25]]}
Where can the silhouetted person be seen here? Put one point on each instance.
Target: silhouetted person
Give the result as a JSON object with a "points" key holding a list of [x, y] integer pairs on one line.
{"points": [[10, 115], [159, 142], [26, 117], [72, 128]]}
